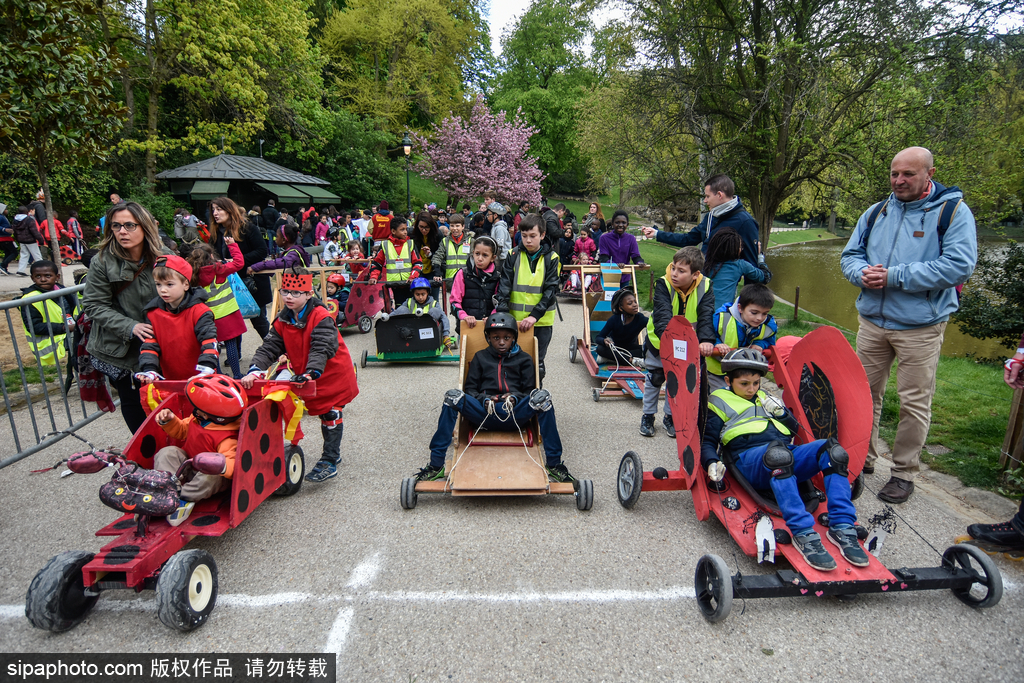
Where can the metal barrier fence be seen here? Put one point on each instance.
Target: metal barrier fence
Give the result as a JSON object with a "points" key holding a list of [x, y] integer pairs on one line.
{"points": [[61, 418]]}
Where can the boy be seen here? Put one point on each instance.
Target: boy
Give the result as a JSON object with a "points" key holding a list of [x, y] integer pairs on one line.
{"points": [[683, 290], [305, 331], [397, 259], [746, 323], [47, 323], [758, 431], [421, 303], [211, 433], [184, 339], [529, 283], [496, 374], [453, 253]]}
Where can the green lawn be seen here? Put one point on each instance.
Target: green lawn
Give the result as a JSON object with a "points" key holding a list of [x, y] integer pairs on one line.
{"points": [[779, 238]]}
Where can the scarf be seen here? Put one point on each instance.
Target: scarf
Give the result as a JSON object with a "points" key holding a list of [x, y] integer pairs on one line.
{"points": [[93, 384], [723, 209], [693, 285]]}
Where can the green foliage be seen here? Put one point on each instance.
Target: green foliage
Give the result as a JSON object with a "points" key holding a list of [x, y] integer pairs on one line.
{"points": [[84, 187], [992, 306], [160, 204]]}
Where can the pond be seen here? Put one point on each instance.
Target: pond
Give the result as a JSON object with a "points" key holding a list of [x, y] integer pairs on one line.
{"points": [[814, 267]]}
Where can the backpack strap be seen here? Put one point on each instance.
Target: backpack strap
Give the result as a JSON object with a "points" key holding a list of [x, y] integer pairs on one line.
{"points": [[946, 214], [879, 208]]}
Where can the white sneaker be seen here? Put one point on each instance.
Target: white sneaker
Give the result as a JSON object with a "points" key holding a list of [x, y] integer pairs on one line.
{"points": [[181, 514]]}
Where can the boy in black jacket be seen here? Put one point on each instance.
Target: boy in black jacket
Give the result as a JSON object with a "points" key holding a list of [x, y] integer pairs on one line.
{"points": [[499, 374]]}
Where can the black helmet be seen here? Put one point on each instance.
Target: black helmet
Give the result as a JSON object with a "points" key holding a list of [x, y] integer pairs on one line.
{"points": [[745, 359], [502, 321]]}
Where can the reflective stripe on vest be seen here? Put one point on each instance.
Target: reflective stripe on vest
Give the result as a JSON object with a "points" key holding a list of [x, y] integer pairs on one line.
{"points": [[528, 289], [392, 256], [424, 308], [221, 300], [52, 313], [690, 311], [741, 416], [455, 256], [729, 334]]}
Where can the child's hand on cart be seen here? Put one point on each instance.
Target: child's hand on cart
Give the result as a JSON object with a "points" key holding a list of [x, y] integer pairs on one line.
{"points": [[164, 416]]}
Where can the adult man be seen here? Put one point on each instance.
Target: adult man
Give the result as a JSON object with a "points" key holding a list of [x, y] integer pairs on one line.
{"points": [[553, 220], [115, 198], [725, 210], [907, 273]]}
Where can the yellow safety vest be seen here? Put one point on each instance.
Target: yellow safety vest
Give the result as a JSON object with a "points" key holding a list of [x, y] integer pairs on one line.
{"points": [[528, 289], [397, 264], [690, 311], [221, 299], [52, 313], [455, 256], [741, 416], [729, 334], [425, 308]]}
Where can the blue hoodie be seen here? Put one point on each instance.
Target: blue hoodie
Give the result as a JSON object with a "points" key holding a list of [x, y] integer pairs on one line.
{"points": [[920, 290]]}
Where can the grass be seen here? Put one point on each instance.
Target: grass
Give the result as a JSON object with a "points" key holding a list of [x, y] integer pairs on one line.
{"points": [[780, 238], [12, 378]]}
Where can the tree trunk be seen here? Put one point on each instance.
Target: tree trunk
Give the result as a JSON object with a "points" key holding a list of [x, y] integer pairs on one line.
{"points": [[764, 213], [51, 224], [151, 133]]}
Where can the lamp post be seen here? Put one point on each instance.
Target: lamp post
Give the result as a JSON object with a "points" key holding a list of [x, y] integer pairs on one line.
{"points": [[407, 148]]}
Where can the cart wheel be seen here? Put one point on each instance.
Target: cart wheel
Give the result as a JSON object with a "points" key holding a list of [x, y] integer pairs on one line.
{"points": [[67, 261], [857, 487], [585, 495], [362, 359], [573, 349], [985, 592], [365, 324], [783, 537], [596, 394], [713, 585], [186, 590], [294, 468], [56, 599], [631, 479], [409, 495]]}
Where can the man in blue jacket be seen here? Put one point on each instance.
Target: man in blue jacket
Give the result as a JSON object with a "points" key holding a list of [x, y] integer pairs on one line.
{"points": [[725, 210], [908, 272]]}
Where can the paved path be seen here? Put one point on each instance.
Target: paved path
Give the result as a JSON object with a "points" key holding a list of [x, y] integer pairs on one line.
{"points": [[503, 589]]}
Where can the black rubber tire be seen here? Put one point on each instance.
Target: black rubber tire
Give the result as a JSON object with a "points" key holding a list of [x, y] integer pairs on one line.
{"points": [[362, 358], [186, 590], [573, 349], [971, 557], [712, 583], [630, 479], [56, 599], [585, 495], [294, 469], [409, 496], [782, 537], [596, 394], [365, 324], [857, 487]]}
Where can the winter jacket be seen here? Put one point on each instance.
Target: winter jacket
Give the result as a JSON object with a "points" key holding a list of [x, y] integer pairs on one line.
{"points": [[473, 291], [254, 250], [621, 334], [115, 300], [920, 289], [26, 230], [662, 314], [500, 234], [738, 219], [6, 231], [34, 319], [183, 338], [713, 436], [727, 276], [270, 216], [551, 279], [620, 249], [491, 374], [552, 223], [381, 226], [585, 246], [294, 256]]}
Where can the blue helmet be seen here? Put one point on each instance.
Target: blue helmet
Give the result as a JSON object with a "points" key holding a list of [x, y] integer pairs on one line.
{"points": [[419, 283]]}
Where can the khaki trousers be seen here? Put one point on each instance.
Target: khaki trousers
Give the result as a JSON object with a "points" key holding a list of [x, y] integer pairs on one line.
{"points": [[201, 487], [917, 353]]}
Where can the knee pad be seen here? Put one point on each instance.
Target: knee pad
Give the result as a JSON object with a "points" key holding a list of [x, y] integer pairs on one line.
{"points": [[540, 400], [779, 460], [837, 456], [657, 376], [331, 418], [453, 397]]}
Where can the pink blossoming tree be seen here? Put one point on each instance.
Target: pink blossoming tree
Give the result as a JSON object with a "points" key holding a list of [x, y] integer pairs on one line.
{"points": [[488, 154]]}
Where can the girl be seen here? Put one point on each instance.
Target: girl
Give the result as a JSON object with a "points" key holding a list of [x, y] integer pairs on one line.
{"points": [[623, 331], [332, 249], [474, 287], [212, 276], [584, 253], [354, 252], [292, 253], [725, 267]]}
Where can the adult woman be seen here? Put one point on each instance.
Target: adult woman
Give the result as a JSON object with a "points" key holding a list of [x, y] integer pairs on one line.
{"points": [[228, 222], [594, 221], [119, 286], [426, 239]]}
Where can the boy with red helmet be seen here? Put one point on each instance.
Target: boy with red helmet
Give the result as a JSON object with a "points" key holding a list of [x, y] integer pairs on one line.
{"points": [[212, 429], [305, 332]]}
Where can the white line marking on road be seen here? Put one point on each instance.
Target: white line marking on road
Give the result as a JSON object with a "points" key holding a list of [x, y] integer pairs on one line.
{"points": [[272, 600], [339, 632], [12, 611], [365, 572], [675, 593]]}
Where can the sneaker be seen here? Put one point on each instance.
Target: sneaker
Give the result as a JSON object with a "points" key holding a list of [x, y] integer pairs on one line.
{"points": [[560, 474], [1003, 534], [429, 473], [814, 553], [181, 514], [322, 471], [647, 425], [669, 429], [896, 490], [849, 546]]}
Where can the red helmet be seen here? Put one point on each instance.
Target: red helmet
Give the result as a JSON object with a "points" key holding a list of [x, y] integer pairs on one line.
{"points": [[222, 398], [337, 279]]}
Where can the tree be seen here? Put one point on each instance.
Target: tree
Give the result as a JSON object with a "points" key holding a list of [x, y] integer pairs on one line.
{"points": [[56, 89], [992, 306], [487, 154]]}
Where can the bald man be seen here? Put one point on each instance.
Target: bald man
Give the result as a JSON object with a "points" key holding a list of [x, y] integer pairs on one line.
{"points": [[907, 277]]}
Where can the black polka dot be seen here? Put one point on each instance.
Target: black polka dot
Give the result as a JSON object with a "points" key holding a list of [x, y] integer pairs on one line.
{"points": [[264, 444], [148, 446], [691, 378], [371, 299], [243, 501], [277, 467], [672, 384], [688, 460], [359, 292], [206, 520], [254, 420], [258, 484], [275, 412], [246, 461]]}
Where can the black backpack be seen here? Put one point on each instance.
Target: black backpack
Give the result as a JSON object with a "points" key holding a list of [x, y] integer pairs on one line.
{"points": [[947, 210]]}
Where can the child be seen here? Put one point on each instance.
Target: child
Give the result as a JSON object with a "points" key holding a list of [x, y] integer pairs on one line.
{"points": [[306, 332], [529, 284], [397, 260], [213, 277], [333, 250], [502, 372], [47, 322], [184, 339], [725, 267], [218, 403], [585, 251], [474, 287], [758, 432], [421, 303], [682, 291], [746, 323], [453, 253], [292, 253], [338, 290], [623, 330], [74, 233], [354, 252]]}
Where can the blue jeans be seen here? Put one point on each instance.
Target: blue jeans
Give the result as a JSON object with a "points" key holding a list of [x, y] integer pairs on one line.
{"points": [[474, 411], [807, 463]]}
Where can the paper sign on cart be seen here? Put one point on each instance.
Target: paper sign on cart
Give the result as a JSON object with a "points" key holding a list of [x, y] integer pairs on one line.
{"points": [[608, 295], [426, 333], [679, 348]]}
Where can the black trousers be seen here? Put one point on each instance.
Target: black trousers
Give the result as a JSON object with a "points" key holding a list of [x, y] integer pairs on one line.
{"points": [[131, 402]]}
